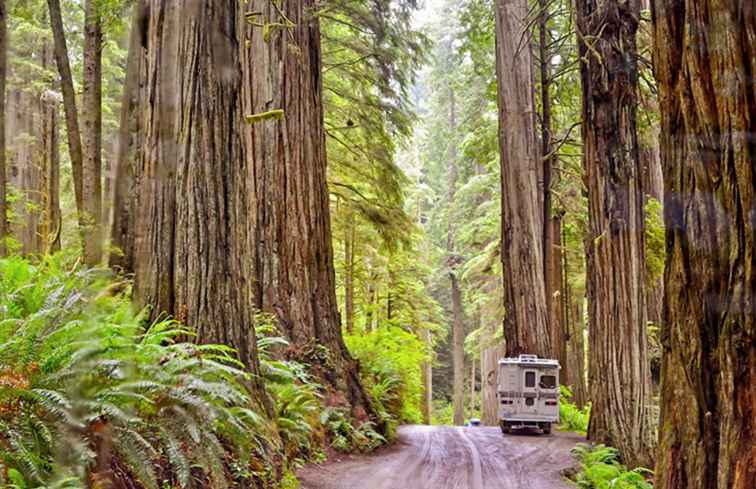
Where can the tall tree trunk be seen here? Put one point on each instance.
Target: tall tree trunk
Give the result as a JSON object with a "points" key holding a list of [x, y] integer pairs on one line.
{"points": [[526, 322], [91, 118], [69, 106], [555, 273], [193, 248], [619, 379], [705, 63], [491, 353], [293, 271], [3, 76], [576, 358], [130, 141], [458, 334], [472, 386], [551, 252], [349, 273], [427, 367]]}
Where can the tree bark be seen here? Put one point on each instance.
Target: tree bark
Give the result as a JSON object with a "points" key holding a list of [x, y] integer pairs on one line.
{"points": [[458, 334], [526, 322], [193, 248], [130, 141], [489, 364], [3, 77], [349, 273], [427, 407], [619, 379], [91, 138], [69, 105], [472, 387], [292, 270], [576, 357], [705, 62]]}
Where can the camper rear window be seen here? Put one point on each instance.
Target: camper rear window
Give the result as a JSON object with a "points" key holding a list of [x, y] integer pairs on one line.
{"points": [[529, 379], [548, 382]]}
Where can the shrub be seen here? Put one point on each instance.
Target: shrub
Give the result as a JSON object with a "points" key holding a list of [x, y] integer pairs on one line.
{"points": [[600, 468], [572, 418], [391, 360], [86, 390]]}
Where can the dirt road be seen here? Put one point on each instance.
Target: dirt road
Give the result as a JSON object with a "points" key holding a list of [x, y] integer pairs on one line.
{"points": [[433, 457]]}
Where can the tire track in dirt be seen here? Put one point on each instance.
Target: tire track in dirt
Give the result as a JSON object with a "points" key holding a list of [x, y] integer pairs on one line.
{"points": [[442, 457]]}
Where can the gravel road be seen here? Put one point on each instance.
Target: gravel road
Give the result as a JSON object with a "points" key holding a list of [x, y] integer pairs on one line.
{"points": [[443, 457]]}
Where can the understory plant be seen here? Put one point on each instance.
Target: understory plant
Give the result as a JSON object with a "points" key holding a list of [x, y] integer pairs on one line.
{"points": [[571, 417], [88, 391], [390, 360], [600, 468]]}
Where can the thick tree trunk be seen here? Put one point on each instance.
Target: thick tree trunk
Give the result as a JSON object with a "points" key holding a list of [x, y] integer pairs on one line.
{"points": [[556, 279], [576, 356], [489, 364], [69, 106], [193, 250], [526, 322], [91, 138], [130, 141], [705, 62], [292, 270], [3, 77], [619, 379]]}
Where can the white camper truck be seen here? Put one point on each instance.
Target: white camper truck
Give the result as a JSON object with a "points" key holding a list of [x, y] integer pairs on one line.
{"points": [[528, 393]]}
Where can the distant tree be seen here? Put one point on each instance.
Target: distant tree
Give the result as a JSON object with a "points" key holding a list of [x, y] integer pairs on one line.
{"points": [[705, 64], [526, 321], [3, 77]]}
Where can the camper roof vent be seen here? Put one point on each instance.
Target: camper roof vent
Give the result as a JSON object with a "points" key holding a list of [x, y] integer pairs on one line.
{"points": [[528, 358]]}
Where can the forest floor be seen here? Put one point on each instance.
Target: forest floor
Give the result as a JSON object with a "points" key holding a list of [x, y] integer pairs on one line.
{"points": [[444, 457]]}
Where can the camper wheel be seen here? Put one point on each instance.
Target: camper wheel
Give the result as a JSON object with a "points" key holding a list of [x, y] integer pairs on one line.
{"points": [[506, 428], [546, 428]]}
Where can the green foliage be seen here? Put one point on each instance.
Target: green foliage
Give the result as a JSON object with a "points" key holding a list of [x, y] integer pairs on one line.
{"points": [[572, 418], [391, 360], [345, 437], [655, 240], [78, 366], [600, 468]]}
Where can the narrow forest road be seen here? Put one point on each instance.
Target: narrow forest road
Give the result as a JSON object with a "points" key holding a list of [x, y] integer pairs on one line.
{"points": [[443, 457]]}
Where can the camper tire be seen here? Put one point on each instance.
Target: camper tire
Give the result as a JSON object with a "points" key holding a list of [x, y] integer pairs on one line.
{"points": [[546, 428], [505, 427]]}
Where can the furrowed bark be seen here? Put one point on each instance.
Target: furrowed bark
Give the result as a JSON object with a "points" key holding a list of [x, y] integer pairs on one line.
{"points": [[292, 270], [91, 138], [705, 65], [526, 322], [193, 252], [619, 377], [3, 77], [130, 140]]}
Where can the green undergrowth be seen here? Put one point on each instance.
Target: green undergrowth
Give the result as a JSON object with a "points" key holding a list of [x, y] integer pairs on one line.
{"points": [[571, 417], [390, 360], [600, 468], [89, 390]]}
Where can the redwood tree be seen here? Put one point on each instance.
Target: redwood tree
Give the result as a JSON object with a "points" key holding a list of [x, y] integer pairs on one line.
{"points": [[705, 63], [619, 379], [193, 254], [292, 273], [526, 322], [3, 77]]}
